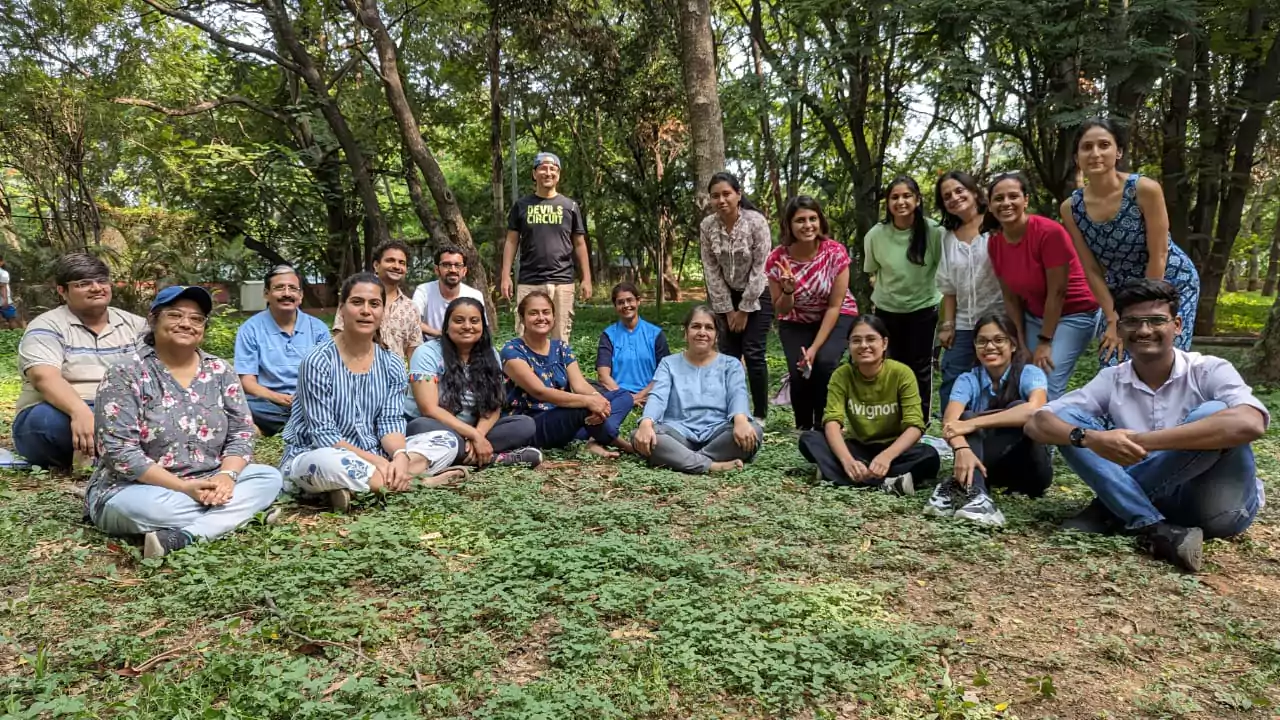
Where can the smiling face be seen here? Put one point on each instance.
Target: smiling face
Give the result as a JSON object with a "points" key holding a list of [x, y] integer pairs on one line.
{"points": [[1149, 329], [1097, 151], [452, 268], [392, 266], [465, 325], [806, 225], [700, 335], [867, 346], [903, 202], [547, 175], [627, 305], [178, 325], [957, 199], [1009, 202], [538, 317], [283, 292], [362, 310], [994, 347], [724, 199], [86, 296]]}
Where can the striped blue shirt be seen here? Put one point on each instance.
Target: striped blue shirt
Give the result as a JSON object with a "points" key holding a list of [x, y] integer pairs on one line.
{"points": [[335, 405]]}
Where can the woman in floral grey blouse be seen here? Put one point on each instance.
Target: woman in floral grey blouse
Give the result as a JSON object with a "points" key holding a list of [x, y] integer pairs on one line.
{"points": [[175, 437]]}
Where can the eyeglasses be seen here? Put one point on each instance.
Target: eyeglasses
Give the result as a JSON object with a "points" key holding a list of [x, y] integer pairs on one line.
{"points": [[861, 341], [88, 283], [286, 288], [1135, 323], [451, 265], [995, 342], [173, 316]]}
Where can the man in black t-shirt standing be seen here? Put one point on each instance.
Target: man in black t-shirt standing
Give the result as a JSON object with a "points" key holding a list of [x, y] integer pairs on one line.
{"points": [[552, 237]]}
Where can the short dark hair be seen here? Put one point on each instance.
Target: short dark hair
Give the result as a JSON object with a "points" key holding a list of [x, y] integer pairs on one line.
{"points": [[1144, 290], [382, 249], [448, 250], [622, 287], [79, 266]]}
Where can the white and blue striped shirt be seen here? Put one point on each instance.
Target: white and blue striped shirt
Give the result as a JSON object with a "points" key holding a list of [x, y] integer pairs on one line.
{"points": [[334, 405]]}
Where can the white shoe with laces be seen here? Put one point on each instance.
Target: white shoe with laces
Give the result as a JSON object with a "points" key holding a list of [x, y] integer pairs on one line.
{"points": [[982, 510], [942, 503], [902, 484]]}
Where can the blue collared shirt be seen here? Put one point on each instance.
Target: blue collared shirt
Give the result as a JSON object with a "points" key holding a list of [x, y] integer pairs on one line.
{"points": [[263, 349], [976, 390]]}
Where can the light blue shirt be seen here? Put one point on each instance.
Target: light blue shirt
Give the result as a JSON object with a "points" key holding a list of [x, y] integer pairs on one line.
{"points": [[263, 349], [426, 365], [696, 400], [976, 391]]}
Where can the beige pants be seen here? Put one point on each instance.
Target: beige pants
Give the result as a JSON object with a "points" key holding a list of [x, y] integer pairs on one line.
{"points": [[561, 301]]}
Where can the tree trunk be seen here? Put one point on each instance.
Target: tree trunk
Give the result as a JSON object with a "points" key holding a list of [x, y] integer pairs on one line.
{"points": [[698, 66], [796, 120], [766, 130], [1231, 280], [1273, 261], [455, 225], [1174, 175], [1264, 365], [1257, 91], [1252, 280], [495, 126]]}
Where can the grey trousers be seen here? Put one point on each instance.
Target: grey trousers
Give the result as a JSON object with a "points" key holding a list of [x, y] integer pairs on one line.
{"points": [[673, 450]]}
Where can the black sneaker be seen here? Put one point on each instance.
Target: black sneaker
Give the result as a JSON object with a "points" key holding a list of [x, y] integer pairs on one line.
{"points": [[162, 542], [1095, 519], [530, 456], [1181, 546]]}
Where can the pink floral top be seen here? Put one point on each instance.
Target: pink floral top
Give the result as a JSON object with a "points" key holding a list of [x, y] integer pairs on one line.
{"points": [[814, 278], [143, 417]]}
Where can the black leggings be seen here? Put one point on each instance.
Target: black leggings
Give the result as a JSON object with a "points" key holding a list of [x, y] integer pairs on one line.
{"points": [[750, 345], [920, 460], [911, 337], [809, 395], [1013, 460]]}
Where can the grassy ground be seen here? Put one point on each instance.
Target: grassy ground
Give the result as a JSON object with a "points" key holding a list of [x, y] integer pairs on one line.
{"points": [[607, 590], [1242, 313]]}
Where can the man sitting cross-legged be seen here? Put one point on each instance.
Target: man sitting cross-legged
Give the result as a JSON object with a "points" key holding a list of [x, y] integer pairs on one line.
{"points": [[1177, 467]]}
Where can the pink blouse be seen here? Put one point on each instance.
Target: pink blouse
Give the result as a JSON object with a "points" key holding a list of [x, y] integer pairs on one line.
{"points": [[814, 278]]}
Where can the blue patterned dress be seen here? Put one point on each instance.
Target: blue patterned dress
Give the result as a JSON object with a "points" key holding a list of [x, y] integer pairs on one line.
{"points": [[1120, 247]]}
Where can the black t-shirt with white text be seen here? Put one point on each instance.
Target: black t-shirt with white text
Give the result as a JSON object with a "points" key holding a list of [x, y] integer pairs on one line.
{"points": [[546, 227]]}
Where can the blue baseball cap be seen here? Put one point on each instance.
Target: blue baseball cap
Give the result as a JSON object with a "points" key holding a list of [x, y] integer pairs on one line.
{"points": [[544, 157], [174, 293]]}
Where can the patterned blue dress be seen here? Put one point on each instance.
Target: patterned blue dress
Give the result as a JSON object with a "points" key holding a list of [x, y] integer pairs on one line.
{"points": [[1120, 247]]}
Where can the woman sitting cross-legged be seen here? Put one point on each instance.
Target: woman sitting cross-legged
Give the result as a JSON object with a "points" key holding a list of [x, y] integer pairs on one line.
{"points": [[346, 430], [698, 417], [983, 423], [543, 381], [175, 437], [875, 401], [457, 386]]}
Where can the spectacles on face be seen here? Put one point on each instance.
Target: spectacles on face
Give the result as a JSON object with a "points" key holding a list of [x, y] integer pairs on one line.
{"points": [[451, 265], [286, 288], [88, 283], [176, 316], [999, 342], [857, 341], [1135, 323]]}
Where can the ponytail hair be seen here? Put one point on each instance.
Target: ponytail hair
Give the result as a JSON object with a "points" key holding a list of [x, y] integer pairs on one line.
{"points": [[729, 178]]}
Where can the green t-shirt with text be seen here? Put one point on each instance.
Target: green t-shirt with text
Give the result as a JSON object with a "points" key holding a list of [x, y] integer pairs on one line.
{"points": [[874, 410]]}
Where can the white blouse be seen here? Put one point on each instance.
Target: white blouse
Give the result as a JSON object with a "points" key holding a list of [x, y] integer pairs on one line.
{"points": [[965, 271]]}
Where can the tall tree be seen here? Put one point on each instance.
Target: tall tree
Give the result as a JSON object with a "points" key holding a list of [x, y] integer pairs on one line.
{"points": [[698, 66]]}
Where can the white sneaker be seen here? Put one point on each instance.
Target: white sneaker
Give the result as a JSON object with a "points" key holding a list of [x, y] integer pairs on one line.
{"points": [[900, 485], [982, 510], [940, 503]]}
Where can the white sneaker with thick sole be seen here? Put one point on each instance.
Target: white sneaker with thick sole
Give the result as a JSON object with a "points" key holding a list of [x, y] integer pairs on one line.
{"points": [[982, 510], [902, 484], [941, 503]]}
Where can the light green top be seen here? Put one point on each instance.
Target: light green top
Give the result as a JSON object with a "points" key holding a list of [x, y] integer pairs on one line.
{"points": [[901, 285], [876, 410]]}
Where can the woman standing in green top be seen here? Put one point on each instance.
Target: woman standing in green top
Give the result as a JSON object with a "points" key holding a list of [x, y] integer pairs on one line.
{"points": [[873, 422], [901, 256]]}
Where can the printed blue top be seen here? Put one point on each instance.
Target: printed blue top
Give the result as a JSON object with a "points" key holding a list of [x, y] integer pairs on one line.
{"points": [[552, 369]]}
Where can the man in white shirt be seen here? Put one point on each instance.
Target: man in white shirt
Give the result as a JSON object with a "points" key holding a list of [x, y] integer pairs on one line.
{"points": [[1178, 466], [8, 313], [433, 298]]}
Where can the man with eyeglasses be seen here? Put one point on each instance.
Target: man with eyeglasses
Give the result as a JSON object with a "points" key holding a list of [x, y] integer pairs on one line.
{"points": [[1177, 465], [270, 346], [433, 298], [63, 356]]}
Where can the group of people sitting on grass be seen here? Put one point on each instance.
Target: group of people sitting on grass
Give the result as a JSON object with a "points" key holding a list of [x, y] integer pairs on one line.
{"points": [[415, 390]]}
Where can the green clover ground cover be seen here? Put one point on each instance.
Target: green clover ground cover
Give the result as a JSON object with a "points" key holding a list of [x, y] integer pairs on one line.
{"points": [[607, 590]]}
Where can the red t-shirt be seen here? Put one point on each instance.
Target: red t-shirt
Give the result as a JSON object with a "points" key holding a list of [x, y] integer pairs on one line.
{"points": [[814, 278], [1021, 266]]}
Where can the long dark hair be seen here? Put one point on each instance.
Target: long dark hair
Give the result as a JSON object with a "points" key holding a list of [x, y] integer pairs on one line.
{"points": [[1010, 391], [480, 374], [950, 221], [919, 227], [795, 205], [744, 203]]}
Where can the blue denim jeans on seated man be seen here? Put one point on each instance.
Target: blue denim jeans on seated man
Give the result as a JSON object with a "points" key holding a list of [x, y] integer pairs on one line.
{"points": [[1070, 339], [957, 360], [42, 436], [1214, 490]]}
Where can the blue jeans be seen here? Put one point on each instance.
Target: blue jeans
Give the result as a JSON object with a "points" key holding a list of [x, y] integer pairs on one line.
{"points": [[957, 360], [42, 435], [268, 416], [558, 427], [1070, 339], [1214, 490], [139, 509]]}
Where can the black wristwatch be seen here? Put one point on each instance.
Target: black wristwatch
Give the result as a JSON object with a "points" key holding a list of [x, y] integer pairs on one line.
{"points": [[1045, 339], [1077, 437]]}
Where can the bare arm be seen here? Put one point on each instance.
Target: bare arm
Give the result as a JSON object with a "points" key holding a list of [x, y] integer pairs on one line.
{"points": [[832, 314], [1156, 217], [252, 387], [582, 258], [428, 330], [1230, 428], [578, 381], [1055, 295], [1047, 428], [509, 252], [1014, 417], [782, 302], [909, 437], [834, 433], [56, 391], [521, 374], [426, 394], [1013, 308], [605, 375], [1093, 272]]}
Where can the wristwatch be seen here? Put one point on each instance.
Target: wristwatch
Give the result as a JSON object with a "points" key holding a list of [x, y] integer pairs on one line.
{"points": [[235, 476], [1045, 339], [1077, 437]]}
